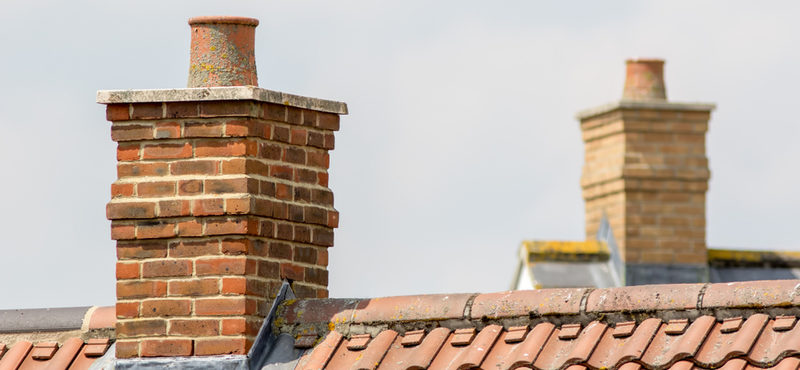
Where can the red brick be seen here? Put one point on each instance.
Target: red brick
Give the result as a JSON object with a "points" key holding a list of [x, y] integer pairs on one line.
{"points": [[141, 249], [127, 152], [294, 115], [269, 150], [156, 189], [166, 347], [320, 160], [273, 112], [166, 268], [291, 271], [167, 151], [306, 176], [142, 169], [309, 118], [304, 254], [221, 148], [280, 133], [168, 130], [238, 205], [131, 132], [227, 109], [235, 246], [208, 207], [190, 187], [127, 270], [166, 307], [220, 306], [322, 293], [121, 190], [333, 219], [236, 326], [127, 349], [122, 231], [322, 237], [155, 230], [316, 276], [137, 328], [234, 285], [194, 248], [183, 110], [298, 136], [128, 210], [322, 257], [190, 228], [118, 112], [202, 129], [316, 139], [221, 266], [147, 111], [238, 128], [302, 234], [281, 172], [195, 328], [294, 155], [127, 310], [227, 186], [283, 191], [230, 226], [222, 346], [194, 287], [328, 121], [330, 142], [174, 208], [198, 167], [316, 215], [284, 231], [322, 179]]}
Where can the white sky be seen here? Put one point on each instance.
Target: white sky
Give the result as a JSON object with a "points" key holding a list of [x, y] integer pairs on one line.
{"points": [[461, 140]]}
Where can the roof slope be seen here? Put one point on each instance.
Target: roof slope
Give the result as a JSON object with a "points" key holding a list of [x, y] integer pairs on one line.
{"points": [[732, 326]]}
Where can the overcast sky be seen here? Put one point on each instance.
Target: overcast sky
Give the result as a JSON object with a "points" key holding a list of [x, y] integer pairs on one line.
{"points": [[461, 139]]}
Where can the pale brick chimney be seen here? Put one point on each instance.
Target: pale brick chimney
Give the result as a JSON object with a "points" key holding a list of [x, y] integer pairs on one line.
{"points": [[646, 170], [222, 192]]}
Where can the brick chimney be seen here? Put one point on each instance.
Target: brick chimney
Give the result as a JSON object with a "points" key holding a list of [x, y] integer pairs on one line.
{"points": [[646, 170], [222, 192]]}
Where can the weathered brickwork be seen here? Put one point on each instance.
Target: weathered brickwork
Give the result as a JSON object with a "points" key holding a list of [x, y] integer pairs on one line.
{"points": [[647, 170], [215, 203]]}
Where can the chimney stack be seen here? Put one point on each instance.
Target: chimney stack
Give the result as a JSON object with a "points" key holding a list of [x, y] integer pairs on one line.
{"points": [[222, 192], [646, 170]]}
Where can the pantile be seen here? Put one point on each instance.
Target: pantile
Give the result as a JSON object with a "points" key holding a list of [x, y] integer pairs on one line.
{"points": [[73, 353], [651, 327]]}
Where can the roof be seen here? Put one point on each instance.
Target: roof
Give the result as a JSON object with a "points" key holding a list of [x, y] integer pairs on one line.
{"points": [[56, 338], [656, 327]]}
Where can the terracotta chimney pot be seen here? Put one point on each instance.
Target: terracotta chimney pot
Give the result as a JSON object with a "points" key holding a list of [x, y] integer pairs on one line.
{"points": [[222, 51], [644, 80]]}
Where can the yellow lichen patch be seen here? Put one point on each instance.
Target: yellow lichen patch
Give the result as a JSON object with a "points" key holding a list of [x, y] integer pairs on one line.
{"points": [[331, 326], [728, 256], [549, 250]]}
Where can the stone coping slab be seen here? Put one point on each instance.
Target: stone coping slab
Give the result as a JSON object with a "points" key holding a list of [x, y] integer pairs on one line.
{"points": [[219, 93], [643, 104]]}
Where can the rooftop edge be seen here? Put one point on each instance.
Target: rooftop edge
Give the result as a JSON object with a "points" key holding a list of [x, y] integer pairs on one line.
{"points": [[643, 104], [220, 93]]}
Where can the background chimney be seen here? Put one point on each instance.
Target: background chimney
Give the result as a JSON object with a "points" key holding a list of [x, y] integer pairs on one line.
{"points": [[646, 169], [222, 192]]}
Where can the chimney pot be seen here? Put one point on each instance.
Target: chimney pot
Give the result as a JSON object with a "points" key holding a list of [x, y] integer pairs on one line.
{"points": [[222, 51], [644, 80]]}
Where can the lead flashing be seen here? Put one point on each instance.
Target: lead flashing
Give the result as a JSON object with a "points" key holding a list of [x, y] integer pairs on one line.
{"points": [[220, 93], [644, 104]]}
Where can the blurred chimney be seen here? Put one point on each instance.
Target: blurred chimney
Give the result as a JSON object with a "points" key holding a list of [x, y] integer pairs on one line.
{"points": [[222, 193], [646, 168]]}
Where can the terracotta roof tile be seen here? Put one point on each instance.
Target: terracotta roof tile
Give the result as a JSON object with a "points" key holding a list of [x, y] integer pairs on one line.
{"points": [[72, 354], [691, 326]]}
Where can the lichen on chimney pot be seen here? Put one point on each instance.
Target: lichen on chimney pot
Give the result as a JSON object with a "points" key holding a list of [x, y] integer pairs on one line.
{"points": [[222, 51], [644, 80]]}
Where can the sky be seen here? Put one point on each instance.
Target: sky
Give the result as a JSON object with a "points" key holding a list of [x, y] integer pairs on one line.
{"points": [[461, 139]]}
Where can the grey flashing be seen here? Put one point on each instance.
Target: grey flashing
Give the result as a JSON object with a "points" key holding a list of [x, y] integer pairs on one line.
{"points": [[224, 362], [219, 93], [42, 319], [732, 274], [644, 104], [654, 273], [272, 349], [107, 361]]}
